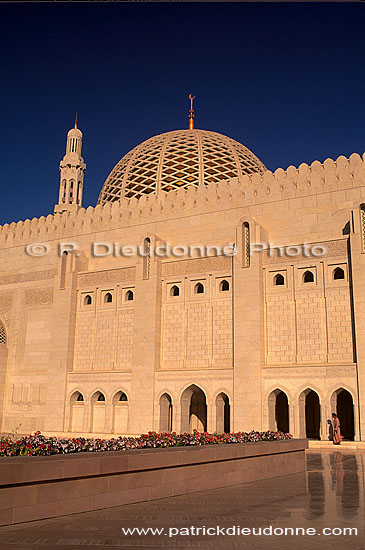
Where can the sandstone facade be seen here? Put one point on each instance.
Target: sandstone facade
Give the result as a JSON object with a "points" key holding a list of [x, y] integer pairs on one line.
{"points": [[125, 344]]}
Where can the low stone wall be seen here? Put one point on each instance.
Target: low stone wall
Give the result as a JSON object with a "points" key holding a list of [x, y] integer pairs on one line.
{"points": [[33, 488]]}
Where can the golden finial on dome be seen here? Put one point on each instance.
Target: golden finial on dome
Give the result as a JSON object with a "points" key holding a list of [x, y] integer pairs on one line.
{"points": [[76, 121], [191, 112]]}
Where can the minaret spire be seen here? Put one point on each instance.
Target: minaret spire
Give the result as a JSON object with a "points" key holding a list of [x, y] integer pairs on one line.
{"points": [[72, 170], [191, 112]]}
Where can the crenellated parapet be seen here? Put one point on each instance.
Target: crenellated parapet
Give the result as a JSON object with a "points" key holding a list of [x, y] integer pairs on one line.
{"points": [[246, 191]]}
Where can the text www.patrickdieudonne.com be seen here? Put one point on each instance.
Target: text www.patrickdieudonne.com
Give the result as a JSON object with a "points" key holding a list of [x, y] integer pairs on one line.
{"points": [[238, 531]]}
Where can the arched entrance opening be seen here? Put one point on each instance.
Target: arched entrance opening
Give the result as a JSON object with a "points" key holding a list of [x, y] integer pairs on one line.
{"points": [[312, 415], [343, 405], [77, 412], [120, 413], [223, 419], [193, 410], [98, 415], [165, 413], [278, 411], [282, 412]]}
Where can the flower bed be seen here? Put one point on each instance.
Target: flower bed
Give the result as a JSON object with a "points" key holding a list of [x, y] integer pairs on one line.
{"points": [[40, 445]]}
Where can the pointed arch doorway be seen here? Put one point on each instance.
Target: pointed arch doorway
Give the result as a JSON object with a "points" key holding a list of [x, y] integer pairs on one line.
{"points": [[342, 404], [193, 410], [222, 413], [312, 415], [278, 411], [165, 413]]}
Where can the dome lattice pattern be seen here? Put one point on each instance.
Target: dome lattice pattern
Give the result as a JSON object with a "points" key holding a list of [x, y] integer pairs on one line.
{"points": [[178, 159]]}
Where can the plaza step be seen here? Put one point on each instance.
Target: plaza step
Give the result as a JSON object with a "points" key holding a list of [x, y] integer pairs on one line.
{"points": [[354, 445]]}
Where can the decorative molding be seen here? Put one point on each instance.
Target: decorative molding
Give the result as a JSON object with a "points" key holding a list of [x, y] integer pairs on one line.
{"points": [[246, 244], [334, 249], [27, 277], [197, 265], [6, 300], [112, 276], [5, 316], [308, 371], [36, 296]]}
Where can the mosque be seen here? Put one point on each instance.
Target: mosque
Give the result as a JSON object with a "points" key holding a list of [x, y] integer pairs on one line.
{"points": [[202, 291]]}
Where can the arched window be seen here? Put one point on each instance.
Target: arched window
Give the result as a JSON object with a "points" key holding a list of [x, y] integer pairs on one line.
{"points": [[129, 295], [175, 291], [245, 244], [123, 397], [338, 273], [63, 269], [71, 194], [199, 288], [101, 397], [108, 298], [146, 257], [78, 193], [224, 286], [362, 219], [279, 279], [87, 300], [3, 338], [76, 397], [308, 277]]}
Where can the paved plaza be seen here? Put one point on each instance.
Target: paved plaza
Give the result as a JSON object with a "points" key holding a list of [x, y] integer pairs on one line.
{"points": [[329, 495]]}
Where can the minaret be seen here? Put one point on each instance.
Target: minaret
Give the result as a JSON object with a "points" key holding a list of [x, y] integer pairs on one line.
{"points": [[72, 170]]}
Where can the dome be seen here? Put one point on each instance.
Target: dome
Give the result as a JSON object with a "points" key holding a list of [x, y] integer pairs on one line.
{"points": [[74, 132], [178, 159]]}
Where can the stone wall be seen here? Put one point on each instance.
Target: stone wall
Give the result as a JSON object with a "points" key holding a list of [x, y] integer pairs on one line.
{"points": [[33, 488], [309, 322], [245, 343]]}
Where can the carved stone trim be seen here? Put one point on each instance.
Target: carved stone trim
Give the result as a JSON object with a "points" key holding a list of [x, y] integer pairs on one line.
{"points": [[6, 300], [36, 296], [309, 372], [334, 249], [5, 316], [27, 277], [112, 276], [196, 265]]}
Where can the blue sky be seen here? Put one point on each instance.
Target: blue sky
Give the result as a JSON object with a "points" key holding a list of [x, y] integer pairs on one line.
{"points": [[287, 80]]}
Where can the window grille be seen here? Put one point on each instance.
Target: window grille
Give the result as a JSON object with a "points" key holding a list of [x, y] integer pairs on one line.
{"points": [[3, 338], [246, 244]]}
